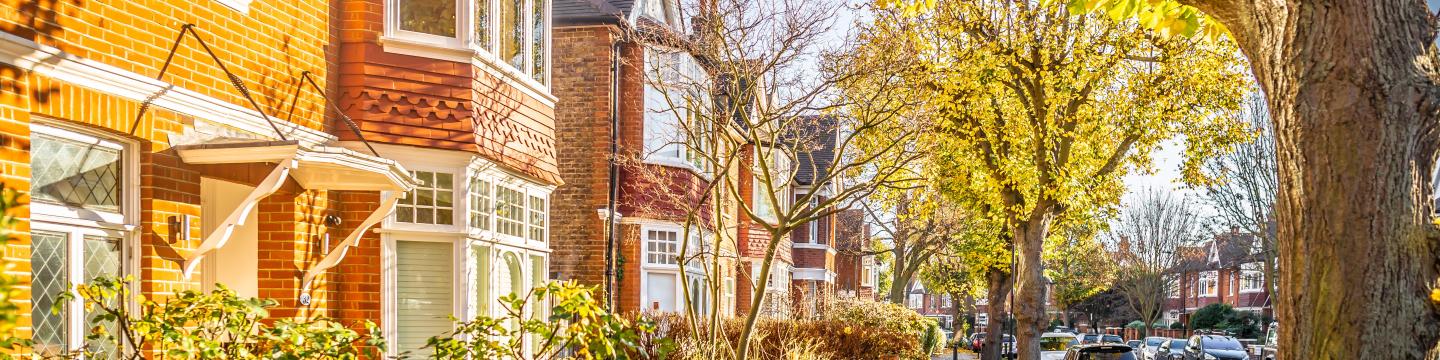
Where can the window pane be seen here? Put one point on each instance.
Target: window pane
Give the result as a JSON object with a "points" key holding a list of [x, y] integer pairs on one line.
{"points": [[423, 292], [435, 17], [432, 202], [75, 174], [482, 279], [512, 33], [537, 41], [537, 218], [49, 279], [482, 24], [510, 211], [480, 208], [102, 258]]}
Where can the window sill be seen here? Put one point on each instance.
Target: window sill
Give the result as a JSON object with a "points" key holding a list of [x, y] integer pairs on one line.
{"points": [[677, 163]]}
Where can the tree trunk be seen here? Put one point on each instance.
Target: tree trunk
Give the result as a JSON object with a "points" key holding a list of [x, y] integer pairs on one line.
{"points": [[1351, 86], [1030, 286], [998, 283]]}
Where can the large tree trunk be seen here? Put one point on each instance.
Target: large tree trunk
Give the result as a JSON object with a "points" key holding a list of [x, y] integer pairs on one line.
{"points": [[1030, 286], [1351, 86], [998, 286]]}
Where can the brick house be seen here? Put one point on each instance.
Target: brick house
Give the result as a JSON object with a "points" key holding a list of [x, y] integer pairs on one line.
{"points": [[619, 65], [813, 245], [460, 92], [142, 163], [856, 272], [1225, 269]]}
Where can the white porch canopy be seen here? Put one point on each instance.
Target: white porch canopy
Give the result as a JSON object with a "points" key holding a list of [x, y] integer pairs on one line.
{"points": [[314, 167]]}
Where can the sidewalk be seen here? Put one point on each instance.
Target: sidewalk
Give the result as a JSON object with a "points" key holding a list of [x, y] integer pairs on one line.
{"points": [[964, 355]]}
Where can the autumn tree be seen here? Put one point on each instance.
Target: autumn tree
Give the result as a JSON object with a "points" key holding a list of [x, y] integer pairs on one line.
{"points": [[1145, 243], [1353, 93], [1078, 266], [1040, 113]]}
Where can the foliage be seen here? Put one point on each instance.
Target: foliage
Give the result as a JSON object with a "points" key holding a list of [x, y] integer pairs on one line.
{"points": [[576, 326], [1035, 118], [882, 315], [11, 202], [1210, 316], [932, 339], [1177, 326], [1077, 263], [214, 325], [823, 338], [1166, 17], [1137, 324]]}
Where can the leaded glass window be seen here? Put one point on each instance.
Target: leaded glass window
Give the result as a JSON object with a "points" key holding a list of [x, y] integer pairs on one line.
{"points": [[50, 277], [102, 259], [482, 24], [76, 173], [431, 202], [537, 41]]}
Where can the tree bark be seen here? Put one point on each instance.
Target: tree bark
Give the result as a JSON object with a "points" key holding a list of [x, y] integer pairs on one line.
{"points": [[1351, 86], [998, 285], [1030, 285]]}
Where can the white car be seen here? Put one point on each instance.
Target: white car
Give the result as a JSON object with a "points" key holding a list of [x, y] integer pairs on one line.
{"points": [[1054, 344], [1150, 346]]}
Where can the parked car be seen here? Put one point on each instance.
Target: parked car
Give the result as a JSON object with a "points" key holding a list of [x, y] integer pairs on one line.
{"points": [[1111, 339], [1133, 344], [975, 340], [1054, 344], [1090, 339], [1007, 345], [1150, 346], [1214, 347], [1101, 352], [1267, 350], [1174, 349]]}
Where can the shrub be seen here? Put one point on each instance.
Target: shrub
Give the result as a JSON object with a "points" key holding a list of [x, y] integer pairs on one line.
{"points": [[932, 340], [577, 326], [215, 325], [1137, 324], [1210, 316], [857, 330], [1177, 326]]}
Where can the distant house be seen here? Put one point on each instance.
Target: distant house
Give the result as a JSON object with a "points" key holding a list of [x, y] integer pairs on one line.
{"points": [[1226, 269], [856, 272]]}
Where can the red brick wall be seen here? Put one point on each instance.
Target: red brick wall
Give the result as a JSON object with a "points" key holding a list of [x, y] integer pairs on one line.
{"points": [[581, 62]]}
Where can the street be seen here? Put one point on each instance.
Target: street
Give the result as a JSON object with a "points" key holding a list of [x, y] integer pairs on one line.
{"points": [[947, 355]]}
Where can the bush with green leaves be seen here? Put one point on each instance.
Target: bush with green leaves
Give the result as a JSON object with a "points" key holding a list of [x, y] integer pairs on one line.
{"points": [[1210, 316], [214, 325], [576, 327], [933, 339], [10, 294], [1137, 324]]}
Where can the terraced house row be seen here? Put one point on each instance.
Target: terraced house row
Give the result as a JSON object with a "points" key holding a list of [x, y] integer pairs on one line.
{"points": [[399, 161]]}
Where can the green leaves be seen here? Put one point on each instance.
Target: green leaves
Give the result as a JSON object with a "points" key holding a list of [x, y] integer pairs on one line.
{"points": [[576, 323], [214, 325]]}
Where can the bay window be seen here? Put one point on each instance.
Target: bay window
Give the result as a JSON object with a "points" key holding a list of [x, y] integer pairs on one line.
{"points": [[480, 207], [675, 130], [79, 207], [514, 32], [662, 269]]}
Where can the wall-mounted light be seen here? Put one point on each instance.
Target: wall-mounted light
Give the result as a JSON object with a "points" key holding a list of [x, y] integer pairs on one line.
{"points": [[180, 227]]}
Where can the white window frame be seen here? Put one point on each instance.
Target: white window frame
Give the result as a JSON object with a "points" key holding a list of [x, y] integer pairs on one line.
{"points": [[660, 113], [458, 196], [1213, 289], [463, 46], [681, 270], [390, 277], [481, 169], [867, 270], [77, 223], [1252, 270]]}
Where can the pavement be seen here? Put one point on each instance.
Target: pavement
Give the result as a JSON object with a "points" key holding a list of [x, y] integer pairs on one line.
{"points": [[947, 355]]}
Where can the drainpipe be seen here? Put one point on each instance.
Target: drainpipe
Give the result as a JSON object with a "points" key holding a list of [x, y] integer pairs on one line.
{"points": [[614, 184]]}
